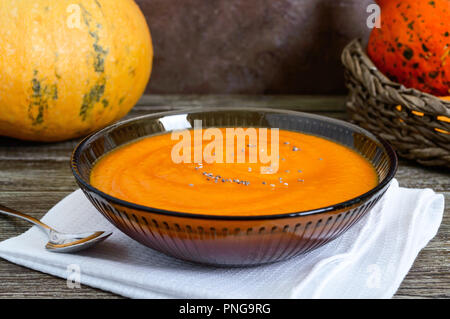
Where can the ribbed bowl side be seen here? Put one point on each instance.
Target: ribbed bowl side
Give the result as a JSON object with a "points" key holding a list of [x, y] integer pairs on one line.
{"points": [[232, 243]]}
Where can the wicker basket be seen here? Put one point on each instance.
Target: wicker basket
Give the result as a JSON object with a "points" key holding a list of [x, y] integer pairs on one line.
{"points": [[417, 124]]}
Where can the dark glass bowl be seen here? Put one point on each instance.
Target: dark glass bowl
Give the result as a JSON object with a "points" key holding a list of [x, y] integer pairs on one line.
{"points": [[233, 240]]}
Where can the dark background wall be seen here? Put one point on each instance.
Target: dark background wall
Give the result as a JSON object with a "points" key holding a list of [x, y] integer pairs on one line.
{"points": [[251, 46]]}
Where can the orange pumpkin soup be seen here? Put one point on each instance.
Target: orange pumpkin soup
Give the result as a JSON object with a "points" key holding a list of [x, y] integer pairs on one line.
{"points": [[310, 173]]}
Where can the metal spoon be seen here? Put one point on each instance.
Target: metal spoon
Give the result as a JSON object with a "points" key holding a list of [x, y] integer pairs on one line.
{"points": [[60, 242]]}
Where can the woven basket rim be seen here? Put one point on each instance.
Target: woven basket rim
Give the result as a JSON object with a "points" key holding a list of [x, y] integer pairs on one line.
{"points": [[416, 123], [407, 97]]}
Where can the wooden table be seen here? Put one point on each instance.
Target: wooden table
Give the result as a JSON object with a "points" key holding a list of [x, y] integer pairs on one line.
{"points": [[34, 177]]}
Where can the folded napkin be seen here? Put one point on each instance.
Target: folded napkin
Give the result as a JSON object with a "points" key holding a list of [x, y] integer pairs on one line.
{"points": [[368, 261]]}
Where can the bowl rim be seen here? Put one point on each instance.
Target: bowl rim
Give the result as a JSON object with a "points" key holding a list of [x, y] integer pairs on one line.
{"points": [[339, 206]]}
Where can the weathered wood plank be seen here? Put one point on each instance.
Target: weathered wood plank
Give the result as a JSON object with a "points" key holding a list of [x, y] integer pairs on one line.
{"points": [[28, 175], [21, 282], [412, 175], [313, 103]]}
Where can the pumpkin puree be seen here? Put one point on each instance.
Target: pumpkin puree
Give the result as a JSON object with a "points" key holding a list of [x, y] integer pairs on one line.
{"points": [[313, 172]]}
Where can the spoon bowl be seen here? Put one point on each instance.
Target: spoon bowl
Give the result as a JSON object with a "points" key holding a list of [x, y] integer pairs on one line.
{"points": [[67, 243], [61, 242]]}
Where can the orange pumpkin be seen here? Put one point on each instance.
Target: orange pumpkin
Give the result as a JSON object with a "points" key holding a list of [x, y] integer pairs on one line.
{"points": [[412, 46], [68, 68]]}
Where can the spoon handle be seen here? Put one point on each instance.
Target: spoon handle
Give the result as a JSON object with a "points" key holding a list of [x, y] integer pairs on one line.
{"points": [[14, 213]]}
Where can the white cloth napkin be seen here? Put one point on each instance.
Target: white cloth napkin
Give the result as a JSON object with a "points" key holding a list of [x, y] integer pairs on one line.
{"points": [[368, 261]]}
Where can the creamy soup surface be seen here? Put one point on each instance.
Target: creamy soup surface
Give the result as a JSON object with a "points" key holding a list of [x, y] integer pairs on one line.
{"points": [[312, 172]]}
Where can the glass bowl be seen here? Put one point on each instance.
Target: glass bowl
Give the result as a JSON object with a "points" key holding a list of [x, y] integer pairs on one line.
{"points": [[233, 240]]}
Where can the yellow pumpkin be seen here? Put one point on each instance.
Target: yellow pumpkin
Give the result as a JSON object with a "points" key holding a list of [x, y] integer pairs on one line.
{"points": [[68, 68]]}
